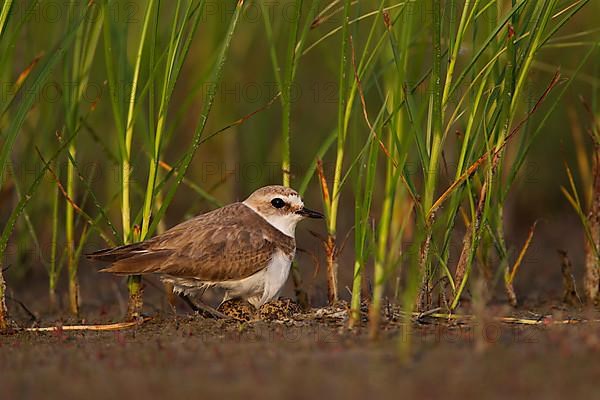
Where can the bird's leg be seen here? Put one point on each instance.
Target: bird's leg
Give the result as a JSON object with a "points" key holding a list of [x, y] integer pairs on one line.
{"points": [[202, 309]]}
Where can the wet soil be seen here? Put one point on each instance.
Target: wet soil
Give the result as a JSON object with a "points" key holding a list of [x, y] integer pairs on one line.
{"points": [[311, 355]]}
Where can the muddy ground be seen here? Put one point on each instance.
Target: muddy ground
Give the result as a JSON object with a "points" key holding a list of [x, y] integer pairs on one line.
{"points": [[311, 355]]}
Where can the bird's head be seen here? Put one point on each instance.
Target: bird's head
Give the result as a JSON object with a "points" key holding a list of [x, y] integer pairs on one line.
{"points": [[281, 206]]}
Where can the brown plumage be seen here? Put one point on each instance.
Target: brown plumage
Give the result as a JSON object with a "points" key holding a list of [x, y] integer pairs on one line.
{"points": [[244, 248], [230, 243]]}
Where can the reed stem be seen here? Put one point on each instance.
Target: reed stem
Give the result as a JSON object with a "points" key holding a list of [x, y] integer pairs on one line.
{"points": [[4, 324]]}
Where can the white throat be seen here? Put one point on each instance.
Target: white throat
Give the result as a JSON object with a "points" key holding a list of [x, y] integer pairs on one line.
{"points": [[284, 223]]}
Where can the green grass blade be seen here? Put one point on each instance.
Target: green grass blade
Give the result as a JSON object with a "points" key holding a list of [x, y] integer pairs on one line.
{"points": [[180, 170]]}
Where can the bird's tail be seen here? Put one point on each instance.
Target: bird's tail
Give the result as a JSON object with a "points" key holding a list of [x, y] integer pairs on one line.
{"points": [[118, 253], [130, 259]]}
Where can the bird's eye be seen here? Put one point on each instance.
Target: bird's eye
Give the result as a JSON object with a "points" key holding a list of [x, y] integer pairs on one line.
{"points": [[277, 202]]}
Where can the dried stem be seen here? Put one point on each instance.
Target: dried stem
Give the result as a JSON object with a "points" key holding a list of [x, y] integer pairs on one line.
{"points": [[332, 269], [570, 295], [136, 289], [424, 296], [330, 245], [73, 292], [509, 274], [469, 244], [107, 327], [591, 280], [3, 311]]}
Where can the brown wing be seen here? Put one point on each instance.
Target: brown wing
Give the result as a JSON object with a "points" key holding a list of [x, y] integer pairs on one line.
{"points": [[229, 243]]}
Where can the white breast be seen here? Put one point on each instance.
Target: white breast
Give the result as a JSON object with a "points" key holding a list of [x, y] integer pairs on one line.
{"points": [[264, 285], [257, 289], [275, 276]]}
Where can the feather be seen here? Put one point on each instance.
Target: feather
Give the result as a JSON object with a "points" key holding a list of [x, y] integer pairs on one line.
{"points": [[230, 243]]}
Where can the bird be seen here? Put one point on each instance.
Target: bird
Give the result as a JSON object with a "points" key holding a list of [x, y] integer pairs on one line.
{"points": [[245, 248]]}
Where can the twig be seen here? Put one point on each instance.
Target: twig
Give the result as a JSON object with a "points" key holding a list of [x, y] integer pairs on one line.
{"points": [[428, 313], [515, 267], [242, 119], [364, 107], [323, 182], [104, 327], [543, 320], [78, 209], [570, 295], [60, 185], [24, 307]]}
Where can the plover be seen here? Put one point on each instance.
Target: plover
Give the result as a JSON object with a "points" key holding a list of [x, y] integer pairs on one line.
{"points": [[244, 248]]}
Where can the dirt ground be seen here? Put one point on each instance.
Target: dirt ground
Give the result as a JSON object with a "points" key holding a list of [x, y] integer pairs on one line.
{"points": [[311, 355]]}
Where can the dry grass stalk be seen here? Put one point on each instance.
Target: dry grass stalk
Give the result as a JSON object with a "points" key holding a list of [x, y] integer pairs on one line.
{"points": [[467, 250], [107, 327], [74, 296], [323, 182], [424, 297], [509, 288], [519, 260], [332, 269], [363, 103], [330, 243], [461, 267], [570, 295], [542, 320], [591, 282], [3, 310], [136, 288], [135, 303], [509, 274]]}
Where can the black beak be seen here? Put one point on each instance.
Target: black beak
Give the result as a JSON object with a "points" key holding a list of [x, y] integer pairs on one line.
{"points": [[306, 213]]}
